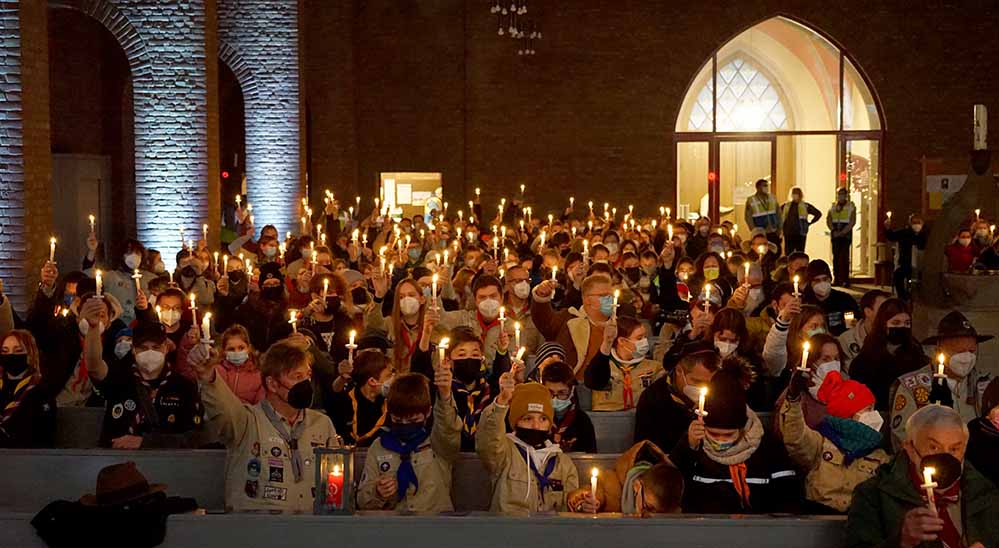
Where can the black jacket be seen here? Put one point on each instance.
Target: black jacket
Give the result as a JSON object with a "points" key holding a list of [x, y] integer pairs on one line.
{"points": [[33, 422], [983, 448], [906, 238], [879, 370], [578, 436], [663, 414], [836, 305]]}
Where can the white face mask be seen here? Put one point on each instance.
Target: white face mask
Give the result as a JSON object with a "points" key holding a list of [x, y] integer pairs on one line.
{"points": [[692, 392], [725, 348], [150, 362], [822, 289], [964, 241], [489, 308], [159, 267], [612, 247], [962, 364], [819, 376], [871, 419], [237, 358], [641, 348], [917, 228], [385, 388], [409, 305], [522, 290], [170, 317], [85, 327], [132, 260], [754, 298], [122, 348]]}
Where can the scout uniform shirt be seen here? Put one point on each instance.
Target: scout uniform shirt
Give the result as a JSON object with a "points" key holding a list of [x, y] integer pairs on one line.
{"points": [[259, 469], [516, 484], [358, 419], [167, 405], [911, 392], [432, 463], [627, 382]]}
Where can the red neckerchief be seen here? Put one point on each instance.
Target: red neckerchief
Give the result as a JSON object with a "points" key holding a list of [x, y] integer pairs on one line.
{"points": [[565, 423], [949, 536], [485, 326], [410, 345], [21, 389], [627, 392], [738, 475], [82, 376]]}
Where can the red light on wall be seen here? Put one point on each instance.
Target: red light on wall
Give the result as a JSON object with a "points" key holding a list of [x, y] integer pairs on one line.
{"points": [[842, 176], [225, 174], [712, 176]]}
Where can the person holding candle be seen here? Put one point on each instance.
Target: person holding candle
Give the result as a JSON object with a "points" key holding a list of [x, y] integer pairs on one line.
{"points": [[892, 509], [327, 314], [710, 268], [833, 302], [265, 312], [409, 467], [487, 292], [119, 282], [843, 449], [359, 410], [641, 483], [573, 428], [910, 241], [27, 408], [66, 357], [794, 325], [528, 452], [730, 463], [622, 370], [958, 341], [231, 290], [517, 300], [191, 276], [237, 364], [852, 340], [702, 311], [270, 465]]}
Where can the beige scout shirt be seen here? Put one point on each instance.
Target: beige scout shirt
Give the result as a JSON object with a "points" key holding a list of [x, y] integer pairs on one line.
{"points": [[258, 468], [432, 464], [641, 376], [515, 489], [911, 392]]}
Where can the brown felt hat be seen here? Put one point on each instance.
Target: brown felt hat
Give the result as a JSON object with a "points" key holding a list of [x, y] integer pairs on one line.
{"points": [[955, 325], [120, 483]]}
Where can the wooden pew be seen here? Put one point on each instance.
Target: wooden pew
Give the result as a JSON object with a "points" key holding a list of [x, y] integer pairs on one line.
{"points": [[78, 427]]}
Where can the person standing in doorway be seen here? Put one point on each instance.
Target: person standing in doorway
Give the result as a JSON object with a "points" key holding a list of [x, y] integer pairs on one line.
{"points": [[762, 211], [841, 220], [796, 216]]}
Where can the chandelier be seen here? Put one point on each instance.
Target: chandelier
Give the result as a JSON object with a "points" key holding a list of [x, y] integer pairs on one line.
{"points": [[512, 20]]}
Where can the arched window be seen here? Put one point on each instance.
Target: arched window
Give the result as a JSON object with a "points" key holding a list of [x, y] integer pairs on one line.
{"points": [[781, 102]]}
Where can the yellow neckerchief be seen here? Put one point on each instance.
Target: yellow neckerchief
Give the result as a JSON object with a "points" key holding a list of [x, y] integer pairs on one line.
{"points": [[15, 399], [378, 424]]}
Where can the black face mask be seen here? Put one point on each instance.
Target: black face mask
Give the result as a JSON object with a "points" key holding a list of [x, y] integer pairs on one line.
{"points": [[634, 273], [235, 276], [272, 293], [467, 370], [14, 365], [564, 252], [332, 303], [359, 295], [188, 272], [532, 437], [948, 469], [300, 395], [408, 433], [898, 335]]}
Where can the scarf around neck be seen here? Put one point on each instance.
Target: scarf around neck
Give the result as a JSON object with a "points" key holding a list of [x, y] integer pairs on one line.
{"points": [[406, 474], [749, 442], [854, 439]]}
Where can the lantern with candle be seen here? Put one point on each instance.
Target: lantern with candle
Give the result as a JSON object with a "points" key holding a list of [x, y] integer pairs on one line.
{"points": [[334, 481]]}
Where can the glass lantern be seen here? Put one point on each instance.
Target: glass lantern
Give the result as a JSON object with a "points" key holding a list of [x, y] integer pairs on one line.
{"points": [[334, 481]]}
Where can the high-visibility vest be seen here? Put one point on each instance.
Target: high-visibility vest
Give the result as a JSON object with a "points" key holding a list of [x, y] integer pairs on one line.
{"points": [[840, 217], [763, 211]]}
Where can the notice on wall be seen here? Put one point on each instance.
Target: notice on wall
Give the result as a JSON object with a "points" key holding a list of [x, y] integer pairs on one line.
{"points": [[941, 187], [420, 197], [403, 194]]}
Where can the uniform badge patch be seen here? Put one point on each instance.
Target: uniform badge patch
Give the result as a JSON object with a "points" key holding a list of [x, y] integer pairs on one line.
{"points": [[255, 450], [253, 468], [922, 395], [275, 493], [276, 451], [900, 402], [827, 456], [896, 422], [171, 419], [117, 411], [130, 405], [251, 488], [276, 474], [384, 467]]}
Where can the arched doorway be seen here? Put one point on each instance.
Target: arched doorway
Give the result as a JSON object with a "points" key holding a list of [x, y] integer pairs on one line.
{"points": [[782, 102], [232, 146]]}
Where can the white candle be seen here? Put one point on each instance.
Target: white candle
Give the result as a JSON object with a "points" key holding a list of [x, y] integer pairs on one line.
{"points": [[356, 235], [520, 354], [929, 485], [701, 398], [445, 257], [293, 314], [194, 310], [804, 357], [239, 199], [326, 288], [478, 191], [159, 314], [572, 201], [442, 349], [667, 213], [433, 289], [796, 279], [93, 224], [593, 484], [303, 226], [206, 328], [746, 266], [100, 283], [522, 187], [707, 297], [351, 346], [978, 214], [941, 366], [215, 256], [617, 294], [138, 278], [204, 233], [669, 232], [555, 273], [888, 214], [516, 334], [52, 242], [461, 215], [590, 203]]}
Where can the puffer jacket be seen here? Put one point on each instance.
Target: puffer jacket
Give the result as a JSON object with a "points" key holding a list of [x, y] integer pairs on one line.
{"points": [[829, 480], [515, 488], [612, 484]]}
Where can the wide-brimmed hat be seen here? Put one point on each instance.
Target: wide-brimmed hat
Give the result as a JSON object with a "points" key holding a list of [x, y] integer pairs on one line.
{"points": [[120, 483], [955, 325]]}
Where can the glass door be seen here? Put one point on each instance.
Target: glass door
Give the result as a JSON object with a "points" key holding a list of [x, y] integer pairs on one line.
{"points": [[859, 171], [692, 170], [740, 163]]}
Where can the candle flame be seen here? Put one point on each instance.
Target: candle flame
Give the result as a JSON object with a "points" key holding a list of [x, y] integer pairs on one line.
{"points": [[444, 342], [704, 391], [807, 346], [594, 473]]}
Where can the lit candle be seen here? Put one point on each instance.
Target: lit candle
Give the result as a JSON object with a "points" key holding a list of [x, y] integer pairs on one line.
{"points": [[137, 277], [444, 214], [170, 273], [293, 314], [322, 239], [383, 264], [667, 213], [586, 249], [522, 187], [701, 398], [249, 267], [516, 334], [433, 289], [334, 487], [707, 297], [159, 314], [52, 242], [502, 316], [761, 250], [215, 256], [350, 211], [356, 235], [590, 203], [978, 214], [303, 226], [555, 273], [746, 266], [478, 192], [520, 354], [100, 283], [204, 233], [206, 328], [593, 484], [358, 200], [351, 346], [442, 349], [572, 201], [669, 232], [471, 208], [796, 279], [364, 239], [617, 294], [804, 356], [941, 365], [239, 199], [461, 215], [391, 268], [551, 219], [326, 288], [93, 223], [888, 214], [929, 485], [377, 202]]}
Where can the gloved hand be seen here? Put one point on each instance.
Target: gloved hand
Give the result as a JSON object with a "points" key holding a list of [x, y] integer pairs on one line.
{"points": [[940, 393], [800, 382]]}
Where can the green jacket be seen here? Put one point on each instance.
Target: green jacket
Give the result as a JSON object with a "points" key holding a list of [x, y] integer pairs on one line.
{"points": [[880, 504]]}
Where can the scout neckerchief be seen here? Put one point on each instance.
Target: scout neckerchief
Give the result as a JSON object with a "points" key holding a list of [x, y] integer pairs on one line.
{"points": [[378, 424], [406, 474], [410, 344], [738, 475], [146, 391], [628, 393], [564, 424], [290, 439], [79, 381], [485, 326], [543, 480], [20, 390], [475, 401]]}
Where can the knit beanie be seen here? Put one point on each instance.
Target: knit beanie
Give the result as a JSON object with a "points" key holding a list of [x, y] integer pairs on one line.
{"points": [[726, 401], [990, 399], [844, 398], [817, 268], [548, 349], [531, 397]]}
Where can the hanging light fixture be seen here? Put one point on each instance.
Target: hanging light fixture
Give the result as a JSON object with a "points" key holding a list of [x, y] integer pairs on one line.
{"points": [[511, 21]]}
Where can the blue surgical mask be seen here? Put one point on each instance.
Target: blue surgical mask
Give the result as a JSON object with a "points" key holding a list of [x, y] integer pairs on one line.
{"points": [[817, 331], [561, 405], [414, 253], [67, 299], [641, 348], [607, 305]]}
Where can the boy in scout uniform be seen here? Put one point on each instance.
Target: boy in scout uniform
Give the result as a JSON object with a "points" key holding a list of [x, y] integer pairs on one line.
{"points": [[958, 341], [621, 371], [270, 463], [409, 467]]}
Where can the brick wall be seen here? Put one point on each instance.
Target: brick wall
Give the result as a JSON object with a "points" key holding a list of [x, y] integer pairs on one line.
{"points": [[264, 33], [595, 109]]}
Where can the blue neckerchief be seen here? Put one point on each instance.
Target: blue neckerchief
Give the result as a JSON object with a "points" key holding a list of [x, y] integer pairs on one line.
{"points": [[854, 439], [406, 475], [543, 480]]}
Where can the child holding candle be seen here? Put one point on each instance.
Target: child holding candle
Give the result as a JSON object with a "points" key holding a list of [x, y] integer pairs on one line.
{"points": [[622, 370], [641, 483], [360, 410]]}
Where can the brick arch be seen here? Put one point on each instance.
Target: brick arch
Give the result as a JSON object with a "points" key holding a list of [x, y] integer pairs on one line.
{"points": [[238, 65], [117, 24]]}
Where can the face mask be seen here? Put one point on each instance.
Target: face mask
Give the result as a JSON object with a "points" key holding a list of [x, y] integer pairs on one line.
{"points": [[132, 260], [272, 293], [641, 348], [964, 242], [386, 386], [67, 299], [822, 289], [407, 433], [982, 233], [633, 273], [170, 318], [85, 327], [813, 332], [150, 361], [270, 252], [703, 230], [962, 364], [711, 272], [467, 370], [300, 395], [561, 405], [409, 305], [522, 290], [755, 296], [726, 349], [188, 272], [332, 304], [719, 446], [819, 376], [719, 249], [917, 228], [692, 392], [359, 295], [607, 306], [122, 348], [532, 437], [237, 358], [872, 420], [14, 365], [683, 238], [235, 276], [899, 335], [489, 308], [948, 467], [612, 247], [159, 267], [414, 254]]}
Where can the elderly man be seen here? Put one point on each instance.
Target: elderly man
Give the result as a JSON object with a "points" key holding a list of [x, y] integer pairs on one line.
{"points": [[958, 341], [579, 331], [891, 508]]}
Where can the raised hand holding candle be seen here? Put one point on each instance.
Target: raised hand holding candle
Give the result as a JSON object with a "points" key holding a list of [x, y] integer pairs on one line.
{"points": [[707, 297], [796, 279], [351, 346], [99, 277], [593, 484], [93, 223], [293, 320], [206, 328], [442, 349], [929, 485], [52, 243], [804, 357], [555, 273], [433, 288]]}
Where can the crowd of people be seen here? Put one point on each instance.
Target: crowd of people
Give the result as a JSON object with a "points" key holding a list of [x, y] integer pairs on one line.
{"points": [[422, 338]]}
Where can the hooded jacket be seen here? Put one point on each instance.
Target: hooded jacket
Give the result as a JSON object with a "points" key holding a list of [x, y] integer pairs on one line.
{"points": [[613, 485]]}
